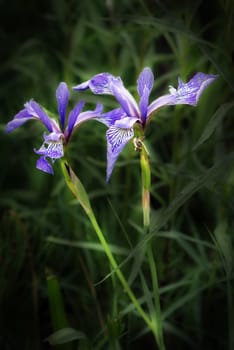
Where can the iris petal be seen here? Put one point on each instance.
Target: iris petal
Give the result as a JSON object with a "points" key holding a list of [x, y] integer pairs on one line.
{"points": [[82, 87], [87, 115], [32, 110], [44, 165], [161, 101], [72, 118], [52, 146], [37, 112], [53, 150], [189, 93], [106, 83], [112, 116], [62, 96], [117, 138], [20, 118], [143, 104], [145, 80], [84, 116], [125, 98], [99, 84]]}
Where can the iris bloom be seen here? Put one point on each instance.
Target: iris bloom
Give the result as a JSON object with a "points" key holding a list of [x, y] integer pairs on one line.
{"points": [[58, 132], [120, 121]]}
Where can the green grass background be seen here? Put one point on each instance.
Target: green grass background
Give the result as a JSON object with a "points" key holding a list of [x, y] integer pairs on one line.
{"points": [[53, 272]]}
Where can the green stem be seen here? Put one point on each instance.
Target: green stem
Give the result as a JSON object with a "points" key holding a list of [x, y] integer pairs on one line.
{"points": [[146, 183], [79, 192], [158, 318], [118, 271]]}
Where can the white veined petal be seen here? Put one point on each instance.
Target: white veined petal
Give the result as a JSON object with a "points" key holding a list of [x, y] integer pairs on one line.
{"points": [[119, 136], [116, 140], [53, 150]]}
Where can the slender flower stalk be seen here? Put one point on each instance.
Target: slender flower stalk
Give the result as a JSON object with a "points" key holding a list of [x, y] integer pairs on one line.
{"points": [[79, 192], [146, 183], [154, 322]]}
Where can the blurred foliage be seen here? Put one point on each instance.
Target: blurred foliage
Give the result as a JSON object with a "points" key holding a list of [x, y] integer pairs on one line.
{"points": [[43, 232]]}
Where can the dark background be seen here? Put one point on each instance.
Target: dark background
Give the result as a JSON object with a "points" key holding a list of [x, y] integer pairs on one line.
{"points": [[45, 42]]}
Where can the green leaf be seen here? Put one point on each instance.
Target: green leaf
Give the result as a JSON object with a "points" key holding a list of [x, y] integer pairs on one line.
{"points": [[217, 171], [223, 240], [65, 335], [88, 245], [213, 123], [57, 310], [76, 187]]}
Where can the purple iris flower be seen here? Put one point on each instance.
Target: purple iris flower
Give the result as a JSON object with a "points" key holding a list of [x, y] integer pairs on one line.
{"points": [[120, 121], [58, 132]]}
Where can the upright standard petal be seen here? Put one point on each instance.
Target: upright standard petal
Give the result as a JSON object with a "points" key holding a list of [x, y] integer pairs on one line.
{"points": [[145, 79], [62, 96], [143, 104], [73, 116], [189, 93], [145, 84]]}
